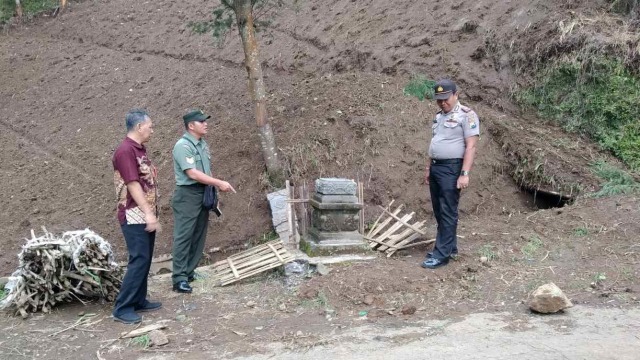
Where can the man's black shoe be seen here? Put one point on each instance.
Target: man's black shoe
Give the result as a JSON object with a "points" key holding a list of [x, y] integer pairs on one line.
{"points": [[182, 287], [149, 306], [128, 318], [454, 256], [433, 263]]}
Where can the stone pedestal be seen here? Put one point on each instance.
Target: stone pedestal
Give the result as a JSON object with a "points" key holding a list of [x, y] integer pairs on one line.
{"points": [[335, 219]]}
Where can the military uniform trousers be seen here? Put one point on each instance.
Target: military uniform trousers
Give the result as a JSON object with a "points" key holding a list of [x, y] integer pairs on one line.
{"points": [[445, 196], [190, 230]]}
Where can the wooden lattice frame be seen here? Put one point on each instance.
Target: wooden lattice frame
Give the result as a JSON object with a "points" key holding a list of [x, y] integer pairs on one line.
{"points": [[393, 231], [251, 262]]}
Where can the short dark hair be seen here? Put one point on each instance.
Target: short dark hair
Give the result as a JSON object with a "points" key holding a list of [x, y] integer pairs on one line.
{"points": [[135, 117]]}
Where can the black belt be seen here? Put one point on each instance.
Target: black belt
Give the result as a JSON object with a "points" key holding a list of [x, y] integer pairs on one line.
{"points": [[446, 161], [196, 185]]}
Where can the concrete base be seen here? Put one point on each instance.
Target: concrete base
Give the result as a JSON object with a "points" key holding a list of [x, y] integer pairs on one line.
{"points": [[324, 243], [299, 255]]}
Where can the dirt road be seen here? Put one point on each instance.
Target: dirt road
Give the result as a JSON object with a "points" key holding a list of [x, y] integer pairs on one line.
{"points": [[581, 333]]}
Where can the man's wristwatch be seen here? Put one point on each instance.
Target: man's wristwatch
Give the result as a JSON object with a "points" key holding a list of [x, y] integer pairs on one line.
{"points": [[464, 173]]}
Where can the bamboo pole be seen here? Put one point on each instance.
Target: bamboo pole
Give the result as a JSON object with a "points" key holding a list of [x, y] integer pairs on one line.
{"points": [[394, 239], [379, 217], [392, 229], [402, 221], [384, 223]]}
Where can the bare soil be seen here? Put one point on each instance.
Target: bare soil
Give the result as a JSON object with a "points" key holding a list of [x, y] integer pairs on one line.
{"points": [[335, 71]]}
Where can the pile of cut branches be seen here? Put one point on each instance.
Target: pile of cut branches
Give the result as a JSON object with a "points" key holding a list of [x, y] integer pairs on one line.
{"points": [[74, 266]]}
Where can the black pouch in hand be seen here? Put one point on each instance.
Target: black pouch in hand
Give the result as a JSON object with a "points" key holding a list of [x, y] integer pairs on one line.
{"points": [[210, 199]]}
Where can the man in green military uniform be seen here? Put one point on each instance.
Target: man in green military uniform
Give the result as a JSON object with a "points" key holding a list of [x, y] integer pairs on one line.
{"points": [[192, 168]]}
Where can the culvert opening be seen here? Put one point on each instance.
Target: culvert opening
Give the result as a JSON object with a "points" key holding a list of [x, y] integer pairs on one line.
{"points": [[544, 199]]}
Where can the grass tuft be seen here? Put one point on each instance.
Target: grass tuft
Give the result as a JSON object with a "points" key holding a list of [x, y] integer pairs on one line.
{"points": [[143, 341], [30, 8], [616, 181], [420, 87]]}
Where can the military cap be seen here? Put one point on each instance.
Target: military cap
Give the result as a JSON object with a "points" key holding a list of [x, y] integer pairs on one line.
{"points": [[444, 89], [195, 115]]}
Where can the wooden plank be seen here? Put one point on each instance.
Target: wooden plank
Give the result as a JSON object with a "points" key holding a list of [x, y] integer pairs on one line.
{"points": [[253, 251], [257, 271], [263, 267], [289, 211], [396, 238], [300, 215], [275, 252], [384, 223], [250, 261], [235, 272], [361, 201], [240, 265], [403, 222], [305, 210], [380, 217], [393, 228], [405, 240], [431, 241], [379, 242], [409, 239], [399, 239]]}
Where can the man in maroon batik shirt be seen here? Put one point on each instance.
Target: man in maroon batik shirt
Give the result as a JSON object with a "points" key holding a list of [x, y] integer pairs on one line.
{"points": [[135, 181]]}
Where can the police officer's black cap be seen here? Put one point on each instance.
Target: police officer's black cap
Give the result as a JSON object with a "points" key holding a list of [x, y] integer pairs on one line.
{"points": [[195, 115], [444, 89]]}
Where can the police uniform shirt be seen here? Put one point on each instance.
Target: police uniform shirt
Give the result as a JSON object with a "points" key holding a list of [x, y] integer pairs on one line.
{"points": [[189, 153], [450, 130]]}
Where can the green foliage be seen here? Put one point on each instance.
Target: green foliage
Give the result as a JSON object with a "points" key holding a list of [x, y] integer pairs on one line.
{"points": [[488, 251], [531, 248], [624, 7], [616, 180], [3, 294], [223, 17], [320, 301], [420, 87], [143, 341], [597, 97], [581, 231], [264, 238], [30, 8], [628, 145]]}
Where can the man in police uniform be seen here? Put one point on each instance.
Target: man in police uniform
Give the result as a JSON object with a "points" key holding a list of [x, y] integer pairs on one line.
{"points": [[192, 168], [456, 130]]}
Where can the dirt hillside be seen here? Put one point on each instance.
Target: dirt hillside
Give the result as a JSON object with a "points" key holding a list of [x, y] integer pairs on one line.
{"points": [[335, 72]]}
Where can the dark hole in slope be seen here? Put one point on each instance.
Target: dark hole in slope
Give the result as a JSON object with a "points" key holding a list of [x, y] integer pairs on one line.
{"points": [[543, 199]]}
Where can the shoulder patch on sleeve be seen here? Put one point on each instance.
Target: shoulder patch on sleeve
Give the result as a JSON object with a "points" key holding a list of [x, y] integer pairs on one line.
{"points": [[465, 109], [472, 119]]}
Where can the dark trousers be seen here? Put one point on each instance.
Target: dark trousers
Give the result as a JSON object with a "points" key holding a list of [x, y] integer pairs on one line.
{"points": [[133, 292], [190, 230], [445, 196]]}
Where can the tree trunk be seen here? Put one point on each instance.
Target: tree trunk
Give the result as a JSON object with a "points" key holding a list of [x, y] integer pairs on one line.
{"points": [[244, 17]]}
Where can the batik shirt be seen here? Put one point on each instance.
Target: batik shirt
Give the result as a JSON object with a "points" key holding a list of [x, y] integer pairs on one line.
{"points": [[130, 163]]}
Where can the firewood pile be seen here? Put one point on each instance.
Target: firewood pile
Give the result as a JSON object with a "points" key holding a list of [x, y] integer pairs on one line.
{"points": [[53, 269]]}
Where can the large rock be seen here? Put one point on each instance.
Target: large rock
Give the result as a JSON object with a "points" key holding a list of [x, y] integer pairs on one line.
{"points": [[158, 338], [549, 299]]}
